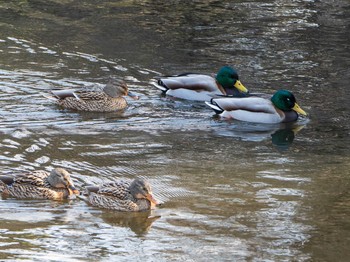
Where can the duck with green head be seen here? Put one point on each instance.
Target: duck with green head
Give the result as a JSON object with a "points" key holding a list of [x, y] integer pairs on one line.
{"points": [[281, 108], [199, 87]]}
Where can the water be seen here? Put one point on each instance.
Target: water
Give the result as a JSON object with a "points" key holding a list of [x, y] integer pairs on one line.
{"points": [[231, 191]]}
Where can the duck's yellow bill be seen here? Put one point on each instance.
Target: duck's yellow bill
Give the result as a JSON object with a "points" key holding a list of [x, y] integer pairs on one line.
{"points": [[240, 87], [298, 109], [296, 129]]}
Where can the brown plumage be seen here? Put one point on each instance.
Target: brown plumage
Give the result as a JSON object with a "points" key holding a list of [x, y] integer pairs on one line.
{"points": [[108, 99], [122, 195], [39, 184]]}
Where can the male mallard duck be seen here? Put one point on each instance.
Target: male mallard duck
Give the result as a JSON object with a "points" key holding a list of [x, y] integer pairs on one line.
{"points": [[40, 184], [108, 99], [200, 87], [281, 108], [122, 195]]}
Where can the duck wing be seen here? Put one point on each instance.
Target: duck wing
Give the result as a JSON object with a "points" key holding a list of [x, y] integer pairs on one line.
{"points": [[86, 93], [90, 95], [195, 82], [36, 178], [249, 109], [118, 189], [251, 104]]}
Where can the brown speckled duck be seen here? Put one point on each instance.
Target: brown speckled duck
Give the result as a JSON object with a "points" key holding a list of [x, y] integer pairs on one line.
{"points": [[108, 99], [56, 185], [122, 195]]}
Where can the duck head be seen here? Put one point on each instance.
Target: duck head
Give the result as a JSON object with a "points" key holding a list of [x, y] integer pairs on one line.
{"points": [[141, 189], [228, 78], [117, 88], [286, 101], [60, 178]]}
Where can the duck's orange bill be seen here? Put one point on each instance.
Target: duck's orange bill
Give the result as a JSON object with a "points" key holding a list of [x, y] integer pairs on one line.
{"points": [[133, 96], [73, 191], [151, 199]]}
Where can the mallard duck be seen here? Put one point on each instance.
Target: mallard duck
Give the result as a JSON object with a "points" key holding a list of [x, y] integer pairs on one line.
{"points": [[122, 195], [281, 108], [108, 99], [200, 87], [56, 185]]}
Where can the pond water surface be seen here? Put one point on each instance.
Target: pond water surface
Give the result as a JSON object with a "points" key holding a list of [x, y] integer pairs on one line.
{"points": [[230, 191]]}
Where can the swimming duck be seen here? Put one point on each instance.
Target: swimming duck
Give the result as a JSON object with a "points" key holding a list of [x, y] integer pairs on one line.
{"points": [[200, 87], [281, 108], [122, 195], [56, 185], [108, 99]]}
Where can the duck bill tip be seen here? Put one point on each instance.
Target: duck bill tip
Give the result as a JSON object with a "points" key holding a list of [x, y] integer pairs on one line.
{"points": [[73, 191], [299, 110], [133, 96], [152, 199]]}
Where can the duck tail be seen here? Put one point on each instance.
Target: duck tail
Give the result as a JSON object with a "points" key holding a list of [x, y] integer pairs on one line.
{"points": [[61, 94], [213, 105], [49, 97], [160, 85], [90, 189], [7, 180]]}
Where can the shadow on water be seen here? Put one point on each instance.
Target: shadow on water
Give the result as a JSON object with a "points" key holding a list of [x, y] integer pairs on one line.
{"points": [[230, 190]]}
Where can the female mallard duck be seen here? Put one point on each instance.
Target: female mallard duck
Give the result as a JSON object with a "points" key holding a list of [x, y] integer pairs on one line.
{"points": [[108, 99], [200, 87], [281, 108], [56, 185], [122, 195]]}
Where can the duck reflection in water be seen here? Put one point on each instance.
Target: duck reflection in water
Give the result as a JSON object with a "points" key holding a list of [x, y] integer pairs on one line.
{"points": [[139, 222], [282, 135], [283, 138]]}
